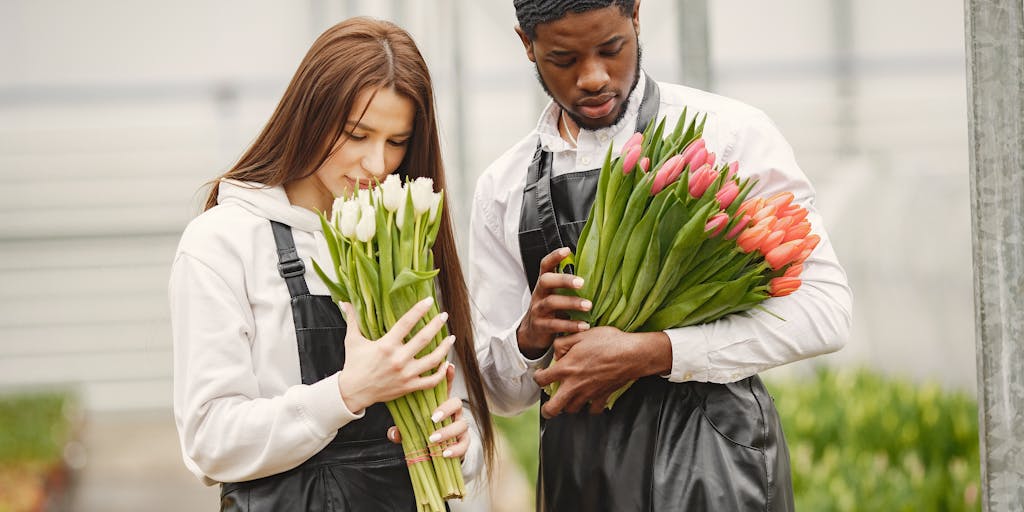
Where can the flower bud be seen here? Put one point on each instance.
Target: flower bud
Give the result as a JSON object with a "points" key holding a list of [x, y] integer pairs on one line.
{"points": [[392, 192], [367, 225], [629, 162], [645, 163], [716, 224], [421, 189], [782, 255], [727, 194], [348, 218], [636, 140], [735, 231], [782, 286]]}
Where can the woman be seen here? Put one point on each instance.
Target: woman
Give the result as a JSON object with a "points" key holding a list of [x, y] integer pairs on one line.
{"points": [[268, 399]]}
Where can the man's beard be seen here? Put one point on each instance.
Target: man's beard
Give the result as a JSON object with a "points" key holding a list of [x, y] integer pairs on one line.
{"points": [[625, 104]]}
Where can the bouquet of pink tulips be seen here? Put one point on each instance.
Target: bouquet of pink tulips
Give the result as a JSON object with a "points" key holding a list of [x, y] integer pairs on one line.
{"points": [[678, 245], [380, 242]]}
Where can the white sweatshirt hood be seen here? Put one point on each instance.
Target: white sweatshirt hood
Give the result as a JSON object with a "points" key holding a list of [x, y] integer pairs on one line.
{"points": [[268, 202]]}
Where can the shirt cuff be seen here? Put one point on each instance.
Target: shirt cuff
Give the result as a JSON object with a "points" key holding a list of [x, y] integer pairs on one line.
{"points": [[321, 405], [690, 357]]}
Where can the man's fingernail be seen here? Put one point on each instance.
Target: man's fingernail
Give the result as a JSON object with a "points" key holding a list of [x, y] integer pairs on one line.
{"points": [[391, 434], [436, 417], [578, 282], [435, 437], [564, 251], [446, 453], [586, 305]]}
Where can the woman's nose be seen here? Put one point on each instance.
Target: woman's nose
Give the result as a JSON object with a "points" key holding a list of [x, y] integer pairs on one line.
{"points": [[373, 161]]}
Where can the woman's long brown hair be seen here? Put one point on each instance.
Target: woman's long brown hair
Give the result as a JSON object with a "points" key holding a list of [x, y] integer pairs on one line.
{"points": [[355, 55]]}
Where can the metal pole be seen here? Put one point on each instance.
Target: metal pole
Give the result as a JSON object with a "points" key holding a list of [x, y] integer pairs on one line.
{"points": [[458, 185], [694, 51], [995, 93], [842, 16]]}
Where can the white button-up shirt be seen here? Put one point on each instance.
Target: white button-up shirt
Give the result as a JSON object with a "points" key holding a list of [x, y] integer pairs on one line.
{"points": [[817, 315]]}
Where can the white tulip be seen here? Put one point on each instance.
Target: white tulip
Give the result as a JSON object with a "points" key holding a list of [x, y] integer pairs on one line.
{"points": [[400, 214], [422, 190], [435, 203], [367, 224], [336, 207], [348, 218], [364, 196], [392, 192]]}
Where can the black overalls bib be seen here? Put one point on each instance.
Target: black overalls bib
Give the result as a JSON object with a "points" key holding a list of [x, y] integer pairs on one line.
{"points": [[688, 446], [360, 470]]}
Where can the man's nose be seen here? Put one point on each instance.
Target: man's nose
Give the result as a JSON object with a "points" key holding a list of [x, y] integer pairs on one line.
{"points": [[593, 76]]}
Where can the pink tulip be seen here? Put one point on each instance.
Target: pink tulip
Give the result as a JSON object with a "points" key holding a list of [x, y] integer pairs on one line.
{"points": [[700, 181], [710, 159], [661, 180], [629, 163], [674, 167], [697, 159], [727, 194], [645, 163], [734, 168], [691, 149], [782, 286], [782, 255], [744, 222], [716, 224], [636, 140]]}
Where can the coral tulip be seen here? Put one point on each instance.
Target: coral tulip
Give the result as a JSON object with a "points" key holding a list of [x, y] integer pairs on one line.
{"points": [[751, 206], [782, 255], [797, 231], [794, 270], [781, 200], [782, 286], [771, 241], [751, 239]]}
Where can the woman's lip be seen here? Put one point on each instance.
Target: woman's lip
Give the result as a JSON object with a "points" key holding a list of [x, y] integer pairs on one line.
{"points": [[597, 111]]}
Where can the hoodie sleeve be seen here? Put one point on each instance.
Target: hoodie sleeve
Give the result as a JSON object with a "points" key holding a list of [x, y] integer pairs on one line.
{"points": [[228, 433]]}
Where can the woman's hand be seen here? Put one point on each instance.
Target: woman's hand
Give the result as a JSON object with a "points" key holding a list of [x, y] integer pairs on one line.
{"points": [[378, 371], [454, 438]]}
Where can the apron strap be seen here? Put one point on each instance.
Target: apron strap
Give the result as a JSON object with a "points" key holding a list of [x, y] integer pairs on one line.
{"points": [[289, 264], [537, 192]]}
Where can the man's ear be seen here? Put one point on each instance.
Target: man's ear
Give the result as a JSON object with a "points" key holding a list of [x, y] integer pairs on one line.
{"points": [[527, 44], [636, 17]]}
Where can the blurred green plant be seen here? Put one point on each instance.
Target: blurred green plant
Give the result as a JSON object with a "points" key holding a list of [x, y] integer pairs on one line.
{"points": [[857, 441], [34, 428], [861, 441], [33, 433]]}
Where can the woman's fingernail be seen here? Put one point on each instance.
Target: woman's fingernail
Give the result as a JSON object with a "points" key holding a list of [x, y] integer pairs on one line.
{"points": [[584, 326], [435, 437], [427, 301], [446, 454], [436, 417], [444, 316], [578, 282], [586, 305]]}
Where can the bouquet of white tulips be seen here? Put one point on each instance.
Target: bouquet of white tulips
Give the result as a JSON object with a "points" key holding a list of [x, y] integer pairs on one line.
{"points": [[380, 242]]}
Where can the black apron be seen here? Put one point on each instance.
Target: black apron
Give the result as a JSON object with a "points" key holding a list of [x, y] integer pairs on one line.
{"points": [[360, 469], [691, 446]]}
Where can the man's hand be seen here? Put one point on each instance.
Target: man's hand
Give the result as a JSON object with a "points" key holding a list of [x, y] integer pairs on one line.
{"points": [[545, 318], [593, 364]]}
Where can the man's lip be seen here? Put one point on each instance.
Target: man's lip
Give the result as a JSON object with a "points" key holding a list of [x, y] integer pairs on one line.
{"points": [[596, 109], [592, 101]]}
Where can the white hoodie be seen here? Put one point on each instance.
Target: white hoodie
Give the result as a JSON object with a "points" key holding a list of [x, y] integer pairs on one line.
{"points": [[241, 409]]}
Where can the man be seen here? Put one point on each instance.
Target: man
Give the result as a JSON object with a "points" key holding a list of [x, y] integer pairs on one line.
{"points": [[697, 431]]}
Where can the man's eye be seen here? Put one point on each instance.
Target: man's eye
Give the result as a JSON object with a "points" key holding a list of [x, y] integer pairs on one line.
{"points": [[612, 53], [564, 63]]}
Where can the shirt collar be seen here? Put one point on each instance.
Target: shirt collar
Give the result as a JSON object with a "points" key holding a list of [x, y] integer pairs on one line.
{"points": [[552, 141]]}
